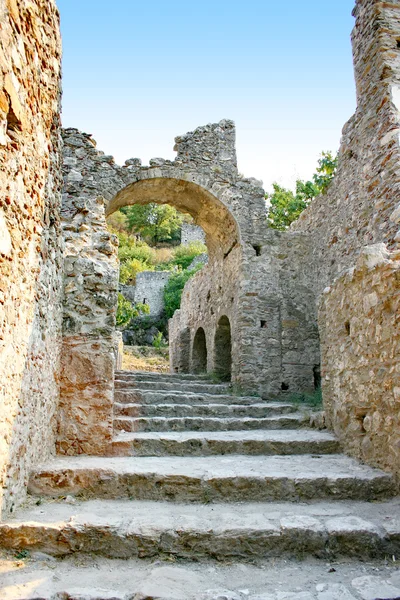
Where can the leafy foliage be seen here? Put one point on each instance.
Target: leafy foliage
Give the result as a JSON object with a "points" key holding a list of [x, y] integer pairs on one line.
{"points": [[184, 255], [155, 222], [126, 311], [173, 289], [285, 206]]}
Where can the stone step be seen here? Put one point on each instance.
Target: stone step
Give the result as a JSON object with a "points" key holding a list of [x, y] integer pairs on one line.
{"points": [[91, 577], [149, 376], [148, 397], [133, 424], [282, 442], [213, 478], [203, 410], [126, 529], [205, 388]]}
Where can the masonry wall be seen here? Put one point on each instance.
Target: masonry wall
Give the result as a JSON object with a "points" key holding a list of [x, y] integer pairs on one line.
{"points": [[90, 300], [360, 335], [192, 233], [149, 289], [30, 240], [351, 230], [359, 206]]}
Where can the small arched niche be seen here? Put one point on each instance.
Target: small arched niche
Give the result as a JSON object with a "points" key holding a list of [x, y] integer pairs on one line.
{"points": [[223, 349], [199, 352]]}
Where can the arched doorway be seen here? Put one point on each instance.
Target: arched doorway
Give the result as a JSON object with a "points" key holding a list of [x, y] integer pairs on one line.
{"points": [[223, 349], [199, 352]]}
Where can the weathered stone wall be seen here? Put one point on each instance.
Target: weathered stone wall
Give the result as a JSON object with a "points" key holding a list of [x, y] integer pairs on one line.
{"points": [[274, 341], [192, 233], [149, 289], [30, 239], [347, 226], [360, 336], [358, 208], [90, 299]]}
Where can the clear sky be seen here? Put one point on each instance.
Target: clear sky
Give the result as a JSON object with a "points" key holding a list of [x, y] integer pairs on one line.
{"points": [[138, 73]]}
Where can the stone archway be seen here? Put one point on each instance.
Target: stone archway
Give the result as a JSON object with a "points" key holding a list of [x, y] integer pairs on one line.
{"points": [[243, 278], [199, 352], [223, 349]]}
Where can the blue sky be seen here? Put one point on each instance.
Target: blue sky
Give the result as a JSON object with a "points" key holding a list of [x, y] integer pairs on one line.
{"points": [[136, 74]]}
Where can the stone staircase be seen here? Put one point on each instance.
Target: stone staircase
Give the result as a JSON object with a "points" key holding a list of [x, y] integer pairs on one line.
{"points": [[195, 472]]}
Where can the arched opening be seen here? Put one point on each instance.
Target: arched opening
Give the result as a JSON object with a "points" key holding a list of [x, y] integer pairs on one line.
{"points": [[161, 290], [218, 223], [223, 349], [199, 352]]}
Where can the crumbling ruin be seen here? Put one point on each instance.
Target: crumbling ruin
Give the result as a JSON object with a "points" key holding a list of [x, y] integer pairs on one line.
{"points": [[260, 314]]}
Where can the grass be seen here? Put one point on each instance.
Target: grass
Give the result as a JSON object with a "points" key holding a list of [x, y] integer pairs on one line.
{"points": [[313, 399], [145, 358]]}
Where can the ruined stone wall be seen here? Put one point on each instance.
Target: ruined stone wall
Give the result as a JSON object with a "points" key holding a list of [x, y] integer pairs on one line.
{"points": [[90, 300], [358, 208], [30, 240], [192, 233], [349, 264], [360, 335], [149, 289]]}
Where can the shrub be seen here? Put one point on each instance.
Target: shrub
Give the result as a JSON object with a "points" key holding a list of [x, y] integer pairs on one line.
{"points": [[184, 255], [173, 289], [126, 311]]}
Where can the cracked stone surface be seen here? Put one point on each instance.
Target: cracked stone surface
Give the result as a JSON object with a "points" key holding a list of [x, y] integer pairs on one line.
{"points": [[93, 578]]}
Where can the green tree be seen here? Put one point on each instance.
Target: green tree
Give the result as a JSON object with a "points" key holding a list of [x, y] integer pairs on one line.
{"points": [[155, 222], [173, 290], [286, 206], [126, 311]]}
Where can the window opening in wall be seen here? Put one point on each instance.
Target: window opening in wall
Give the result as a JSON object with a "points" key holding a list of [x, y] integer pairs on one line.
{"points": [[398, 43], [284, 387], [317, 376], [144, 300], [199, 352], [223, 349], [347, 327], [263, 324], [257, 248]]}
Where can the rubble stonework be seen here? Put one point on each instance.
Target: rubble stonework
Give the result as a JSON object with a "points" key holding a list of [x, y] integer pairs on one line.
{"points": [[360, 210], [359, 327], [256, 299], [30, 240], [192, 233]]}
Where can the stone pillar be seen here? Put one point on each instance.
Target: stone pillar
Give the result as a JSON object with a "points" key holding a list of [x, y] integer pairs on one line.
{"points": [[90, 300]]}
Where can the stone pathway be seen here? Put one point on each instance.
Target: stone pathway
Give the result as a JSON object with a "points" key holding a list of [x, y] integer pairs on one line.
{"points": [[195, 473]]}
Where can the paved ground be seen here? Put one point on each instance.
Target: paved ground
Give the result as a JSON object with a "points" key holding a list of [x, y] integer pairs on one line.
{"points": [[91, 578]]}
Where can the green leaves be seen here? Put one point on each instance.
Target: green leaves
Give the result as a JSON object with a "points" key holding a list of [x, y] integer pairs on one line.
{"points": [[286, 206], [173, 289], [156, 222], [126, 311]]}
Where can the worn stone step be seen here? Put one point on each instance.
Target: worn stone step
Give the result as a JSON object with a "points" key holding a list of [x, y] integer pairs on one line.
{"points": [[213, 478], [149, 376], [125, 529], [282, 442], [132, 424], [148, 397], [92, 577], [205, 388], [203, 410]]}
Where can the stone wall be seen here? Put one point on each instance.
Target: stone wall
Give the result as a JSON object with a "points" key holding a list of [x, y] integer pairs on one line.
{"points": [[359, 327], [249, 278], [347, 228], [358, 208], [90, 300], [30, 240], [149, 289], [192, 233]]}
